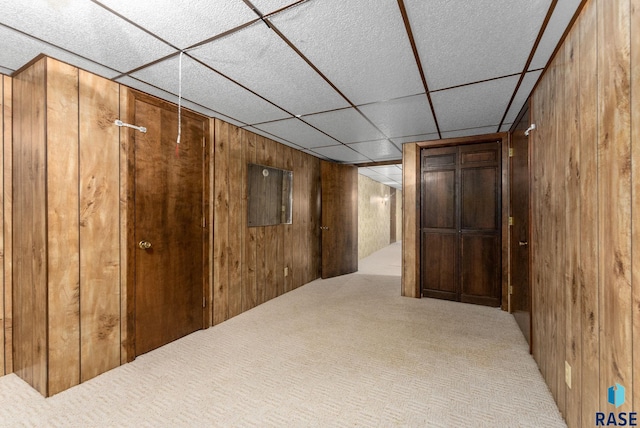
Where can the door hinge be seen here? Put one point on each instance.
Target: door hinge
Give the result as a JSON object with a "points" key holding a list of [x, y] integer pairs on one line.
{"points": [[511, 289], [204, 223], [204, 302], [511, 221], [510, 152], [204, 142]]}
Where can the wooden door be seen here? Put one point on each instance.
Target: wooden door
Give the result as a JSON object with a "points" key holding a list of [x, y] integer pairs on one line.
{"points": [[339, 219], [460, 222], [519, 201], [169, 213]]}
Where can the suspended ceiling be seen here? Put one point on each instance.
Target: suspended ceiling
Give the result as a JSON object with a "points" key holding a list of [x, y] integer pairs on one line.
{"points": [[346, 80]]}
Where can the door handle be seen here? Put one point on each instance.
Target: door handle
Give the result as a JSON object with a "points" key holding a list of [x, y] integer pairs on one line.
{"points": [[523, 243], [145, 245]]}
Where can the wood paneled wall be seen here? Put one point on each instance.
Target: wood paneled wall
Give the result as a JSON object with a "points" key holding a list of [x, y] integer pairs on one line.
{"points": [[410, 220], [249, 262], [66, 258], [6, 341], [585, 204]]}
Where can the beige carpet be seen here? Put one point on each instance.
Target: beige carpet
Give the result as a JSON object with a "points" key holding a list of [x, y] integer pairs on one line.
{"points": [[336, 353]]}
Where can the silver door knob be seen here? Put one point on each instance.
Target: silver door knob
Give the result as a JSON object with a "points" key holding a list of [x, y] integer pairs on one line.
{"points": [[145, 245]]}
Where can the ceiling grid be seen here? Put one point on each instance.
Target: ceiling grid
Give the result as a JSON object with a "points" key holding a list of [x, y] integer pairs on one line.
{"points": [[347, 81]]}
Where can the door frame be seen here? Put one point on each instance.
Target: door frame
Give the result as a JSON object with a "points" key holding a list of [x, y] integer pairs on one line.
{"points": [[411, 248], [128, 246]]}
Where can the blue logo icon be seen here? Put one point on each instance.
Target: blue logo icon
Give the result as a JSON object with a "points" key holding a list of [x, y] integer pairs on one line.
{"points": [[615, 395]]}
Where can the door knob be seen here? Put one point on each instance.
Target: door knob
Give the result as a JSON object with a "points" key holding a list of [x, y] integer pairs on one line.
{"points": [[145, 245], [523, 243]]}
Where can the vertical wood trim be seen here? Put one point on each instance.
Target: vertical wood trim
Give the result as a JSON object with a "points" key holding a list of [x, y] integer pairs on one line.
{"points": [[504, 219], [244, 283], [279, 229], [572, 229], [289, 247], [252, 236], [270, 244], [29, 238], [221, 224], [261, 267], [211, 223], [207, 215], [635, 173], [614, 193], [127, 228], [63, 226], [588, 265], [7, 202], [316, 207], [236, 232], [298, 231], [410, 223], [99, 225]]}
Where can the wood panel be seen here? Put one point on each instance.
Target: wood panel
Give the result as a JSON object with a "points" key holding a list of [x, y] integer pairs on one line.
{"points": [[588, 195], [410, 220], [220, 260], [252, 260], [63, 226], [571, 287], [99, 225], [635, 140], [29, 214], [614, 194], [6, 335], [583, 198]]}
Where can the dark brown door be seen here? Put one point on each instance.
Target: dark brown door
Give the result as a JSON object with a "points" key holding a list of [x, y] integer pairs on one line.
{"points": [[461, 235], [339, 219], [169, 213], [521, 294]]}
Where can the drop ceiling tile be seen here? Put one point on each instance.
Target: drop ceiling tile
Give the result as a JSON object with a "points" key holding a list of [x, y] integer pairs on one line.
{"points": [[361, 47], [269, 6], [297, 132], [387, 170], [184, 23], [472, 106], [341, 153], [521, 97], [377, 150], [505, 127], [347, 126], [471, 131], [461, 42], [86, 29], [5, 71], [562, 15], [416, 138], [17, 49], [258, 59], [209, 89], [404, 116]]}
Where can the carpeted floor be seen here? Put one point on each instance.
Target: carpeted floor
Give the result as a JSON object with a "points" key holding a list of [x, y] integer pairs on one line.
{"points": [[344, 352]]}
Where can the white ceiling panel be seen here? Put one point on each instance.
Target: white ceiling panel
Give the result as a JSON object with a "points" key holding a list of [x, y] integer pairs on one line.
{"points": [[257, 58], [416, 138], [360, 45], [341, 154], [205, 87], [297, 132], [85, 28], [521, 97], [184, 23], [269, 6], [486, 39], [562, 15], [396, 118], [473, 106], [505, 127], [377, 150], [347, 126], [18, 49], [470, 132]]}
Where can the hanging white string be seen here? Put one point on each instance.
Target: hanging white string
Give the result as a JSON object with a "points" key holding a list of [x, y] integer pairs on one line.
{"points": [[179, 100]]}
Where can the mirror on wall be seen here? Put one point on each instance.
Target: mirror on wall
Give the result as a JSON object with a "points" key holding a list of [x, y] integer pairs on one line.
{"points": [[270, 195]]}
